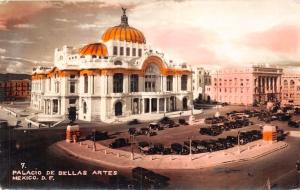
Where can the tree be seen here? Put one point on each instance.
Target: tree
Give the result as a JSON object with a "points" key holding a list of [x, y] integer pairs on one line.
{"points": [[72, 114]]}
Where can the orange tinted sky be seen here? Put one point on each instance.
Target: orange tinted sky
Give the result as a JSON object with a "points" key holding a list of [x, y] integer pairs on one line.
{"points": [[200, 32]]}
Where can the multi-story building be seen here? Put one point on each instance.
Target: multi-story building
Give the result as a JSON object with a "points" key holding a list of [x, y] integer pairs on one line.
{"points": [[249, 85], [290, 88], [200, 79], [118, 76], [12, 90]]}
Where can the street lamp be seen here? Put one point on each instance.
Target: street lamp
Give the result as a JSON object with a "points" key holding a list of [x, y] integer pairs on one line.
{"points": [[132, 138], [239, 142], [94, 131]]}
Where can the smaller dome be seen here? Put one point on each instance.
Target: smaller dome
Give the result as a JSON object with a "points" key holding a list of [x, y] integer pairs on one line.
{"points": [[97, 49]]}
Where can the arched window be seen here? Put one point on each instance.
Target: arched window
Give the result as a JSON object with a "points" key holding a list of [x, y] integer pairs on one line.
{"points": [[84, 107], [118, 83], [94, 56], [118, 62]]}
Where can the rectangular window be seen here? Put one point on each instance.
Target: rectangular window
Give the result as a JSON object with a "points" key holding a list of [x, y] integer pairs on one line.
{"points": [[121, 50], [72, 87], [169, 83], [134, 83], [133, 52], [184, 82], [115, 50], [128, 51], [118, 83], [55, 106], [86, 83], [140, 52]]}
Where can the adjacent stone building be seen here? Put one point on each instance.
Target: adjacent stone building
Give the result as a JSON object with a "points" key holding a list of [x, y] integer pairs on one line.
{"points": [[247, 85]]}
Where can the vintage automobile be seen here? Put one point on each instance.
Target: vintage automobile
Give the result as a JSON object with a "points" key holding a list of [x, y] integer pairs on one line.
{"points": [[118, 143]]}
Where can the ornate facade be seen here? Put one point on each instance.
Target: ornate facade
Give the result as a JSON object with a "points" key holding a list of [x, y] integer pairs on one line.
{"points": [[116, 77]]}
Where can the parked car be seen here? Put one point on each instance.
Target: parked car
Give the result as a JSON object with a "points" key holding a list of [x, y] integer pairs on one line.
{"points": [[143, 146], [171, 125], [176, 148], [166, 120], [98, 135], [294, 124], [155, 126], [144, 131], [232, 139], [147, 178], [182, 121], [167, 151], [118, 143], [133, 122]]}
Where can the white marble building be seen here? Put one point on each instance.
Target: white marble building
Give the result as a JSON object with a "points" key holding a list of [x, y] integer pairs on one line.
{"points": [[116, 77]]}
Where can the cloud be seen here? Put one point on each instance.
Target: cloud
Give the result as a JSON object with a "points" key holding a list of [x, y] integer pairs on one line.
{"points": [[13, 12], [18, 64], [29, 26], [88, 26], [280, 39], [19, 41], [64, 20], [2, 51]]}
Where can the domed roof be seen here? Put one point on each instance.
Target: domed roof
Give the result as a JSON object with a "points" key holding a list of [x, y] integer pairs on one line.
{"points": [[124, 32], [98, 49]]}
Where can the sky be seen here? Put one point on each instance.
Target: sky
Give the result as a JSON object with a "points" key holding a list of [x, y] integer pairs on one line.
{"points": [[208, 33]]}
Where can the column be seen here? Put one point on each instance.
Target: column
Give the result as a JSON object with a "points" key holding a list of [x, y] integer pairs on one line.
{"points": [[150, 105], [143, 105], [274, 84], [269, 84], [58, 106], [51, 107], [157, 102], [260, 85], [45, 107], [165, 105], [264, 84]]}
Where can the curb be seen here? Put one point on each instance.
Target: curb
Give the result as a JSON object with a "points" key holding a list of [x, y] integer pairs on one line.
{"points": [[191, 166]]}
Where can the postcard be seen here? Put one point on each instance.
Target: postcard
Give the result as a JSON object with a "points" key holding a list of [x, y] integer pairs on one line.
{"points": [[174, 94]]}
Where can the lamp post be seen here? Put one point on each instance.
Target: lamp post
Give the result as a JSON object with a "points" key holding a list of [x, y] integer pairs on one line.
{"points": [[190, 148], [239, 142], [94, 131], [131, 144]]}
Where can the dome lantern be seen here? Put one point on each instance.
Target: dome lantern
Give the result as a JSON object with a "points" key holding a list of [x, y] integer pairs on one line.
{"points": [[124, 18], [124, 32]]}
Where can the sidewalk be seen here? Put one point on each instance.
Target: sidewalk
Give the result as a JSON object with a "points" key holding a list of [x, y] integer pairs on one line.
{"points": [[152, 116], [123, 159]]}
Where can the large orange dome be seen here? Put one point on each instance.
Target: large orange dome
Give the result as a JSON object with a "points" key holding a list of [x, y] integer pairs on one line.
{"points": [[98, 49], [124, 32]]}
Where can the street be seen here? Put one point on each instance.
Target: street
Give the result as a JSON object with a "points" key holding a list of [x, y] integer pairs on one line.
{"points": [[36, 151]]}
